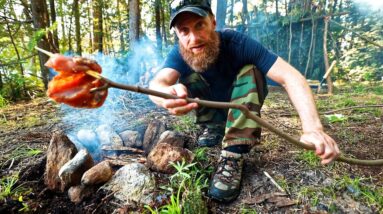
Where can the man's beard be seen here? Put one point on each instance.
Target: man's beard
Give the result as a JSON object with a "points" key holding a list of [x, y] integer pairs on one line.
{"points": [[200, 62]]}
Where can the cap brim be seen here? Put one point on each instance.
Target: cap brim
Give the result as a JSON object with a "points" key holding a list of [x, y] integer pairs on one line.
{"points": [[196, 10]]}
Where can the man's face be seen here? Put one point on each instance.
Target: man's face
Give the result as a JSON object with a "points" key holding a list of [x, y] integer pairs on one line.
{"points": [[199, 43]]}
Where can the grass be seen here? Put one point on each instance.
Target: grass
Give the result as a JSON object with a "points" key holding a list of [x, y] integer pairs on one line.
{"points": [[373, 196], [186, 187], [185, 124], [309, 157], [22, 152]]}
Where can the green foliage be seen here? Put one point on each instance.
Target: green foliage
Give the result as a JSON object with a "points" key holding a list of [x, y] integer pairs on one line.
{"points": [[335, 118], [186, 189], [8, 188], [372, 195], [247, 211], [22, 152], [309, 158], [3, 102], [185, 124]]}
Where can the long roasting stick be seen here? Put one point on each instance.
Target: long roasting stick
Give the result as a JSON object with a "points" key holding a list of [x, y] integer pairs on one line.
{"points": [[222, 105]]}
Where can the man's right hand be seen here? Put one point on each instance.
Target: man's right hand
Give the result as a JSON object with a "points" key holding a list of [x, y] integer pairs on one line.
{"points": [[178, 106], [166, 81]]}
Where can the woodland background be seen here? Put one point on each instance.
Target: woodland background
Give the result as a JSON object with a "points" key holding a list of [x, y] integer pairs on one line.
{"points": [[310, 34]]}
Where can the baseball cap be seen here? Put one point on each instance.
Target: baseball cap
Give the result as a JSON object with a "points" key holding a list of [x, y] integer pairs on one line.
{"points": [[199, 7]]}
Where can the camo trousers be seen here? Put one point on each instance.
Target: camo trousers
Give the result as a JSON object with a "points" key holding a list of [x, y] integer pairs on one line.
{"points": [[249, 88]]}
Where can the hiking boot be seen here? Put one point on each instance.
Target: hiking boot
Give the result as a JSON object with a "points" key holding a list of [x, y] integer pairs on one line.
{"points": [[211, 135], [226, 182]]}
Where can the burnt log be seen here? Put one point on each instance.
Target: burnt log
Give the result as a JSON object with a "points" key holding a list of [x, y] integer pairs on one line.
{"points": [[60, 151]]}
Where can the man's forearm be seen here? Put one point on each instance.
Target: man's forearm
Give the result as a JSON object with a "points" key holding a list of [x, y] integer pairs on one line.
{"points": [[299, 92]]}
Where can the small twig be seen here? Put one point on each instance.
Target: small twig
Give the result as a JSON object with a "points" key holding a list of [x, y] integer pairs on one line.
{"points": [[10, 166], [352, 107], [336, 110], [274, 182]]}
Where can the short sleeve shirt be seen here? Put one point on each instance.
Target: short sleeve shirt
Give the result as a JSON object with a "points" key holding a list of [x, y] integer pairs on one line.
{"points": [[236, 51]]}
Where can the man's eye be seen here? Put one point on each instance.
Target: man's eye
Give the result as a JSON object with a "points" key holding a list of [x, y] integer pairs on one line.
{"points": [[200, 25], [184, 30]]}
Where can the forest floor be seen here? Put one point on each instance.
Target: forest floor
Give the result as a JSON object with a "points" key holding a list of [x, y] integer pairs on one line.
{"points": [[307, 186]]}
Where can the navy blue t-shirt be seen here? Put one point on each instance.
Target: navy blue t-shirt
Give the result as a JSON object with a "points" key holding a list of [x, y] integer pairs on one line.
{"points": [[236, 51]]}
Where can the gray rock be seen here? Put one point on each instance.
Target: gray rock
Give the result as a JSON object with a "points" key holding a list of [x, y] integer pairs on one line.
{"points": [[60, 151], [172, 138], [71, 173], [131, 138], [133, 182], [107, 136], [152, 134], [163, 154]]}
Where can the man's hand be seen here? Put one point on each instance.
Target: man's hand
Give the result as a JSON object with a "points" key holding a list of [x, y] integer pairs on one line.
{"points": [[325, 147], [177, 106], [166, 81]]}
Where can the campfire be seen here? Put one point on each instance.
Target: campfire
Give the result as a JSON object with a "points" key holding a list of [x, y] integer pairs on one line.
{"points": [[122, 163]]}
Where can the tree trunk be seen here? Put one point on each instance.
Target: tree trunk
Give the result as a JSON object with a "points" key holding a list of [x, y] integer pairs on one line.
{"points": [[290, 38], [231, 17], [120, 29], [245, 13], [157, 5], [53, 19], [70, 47], [1, 78], [62, 19], [325, 56], [40, 22], [221, 14], [164, 26], [89, 6], [76, 11], [277, 8], [97, 26], [311, 46], [134, 22]]}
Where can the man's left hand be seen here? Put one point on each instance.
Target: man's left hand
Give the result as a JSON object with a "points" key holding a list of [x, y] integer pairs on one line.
{"points": [[325, 147]]}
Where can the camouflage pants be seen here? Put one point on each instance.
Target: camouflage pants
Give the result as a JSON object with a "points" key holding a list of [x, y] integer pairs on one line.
{"points": [[249, 88]]}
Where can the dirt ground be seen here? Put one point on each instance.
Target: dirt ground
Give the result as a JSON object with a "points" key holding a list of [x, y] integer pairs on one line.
{"points": [[307, 186]]}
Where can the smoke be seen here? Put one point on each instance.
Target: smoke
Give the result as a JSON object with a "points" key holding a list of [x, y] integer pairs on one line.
{"points": [[370, 5], [120, 107]]}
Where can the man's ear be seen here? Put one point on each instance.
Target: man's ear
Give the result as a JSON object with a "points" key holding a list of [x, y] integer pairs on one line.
{"points": [[214, 21]]}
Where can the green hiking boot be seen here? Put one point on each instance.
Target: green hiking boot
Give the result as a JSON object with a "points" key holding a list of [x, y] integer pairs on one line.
{"points": [[211, 135], [226, 182]]}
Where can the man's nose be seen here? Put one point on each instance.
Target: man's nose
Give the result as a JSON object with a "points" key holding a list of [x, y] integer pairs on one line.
{"points": [[194, 36]]}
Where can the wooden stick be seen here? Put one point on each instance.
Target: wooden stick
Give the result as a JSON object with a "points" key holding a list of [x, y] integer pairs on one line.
{"points": [[227, 105], [274, 182]]}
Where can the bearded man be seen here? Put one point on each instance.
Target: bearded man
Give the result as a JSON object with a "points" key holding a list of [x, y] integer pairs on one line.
{"points": [[229, 66]]}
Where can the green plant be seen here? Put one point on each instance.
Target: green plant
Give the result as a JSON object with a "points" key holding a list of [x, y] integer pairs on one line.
{"points": [[186, 187], [354, 185], [3, 102], [334, 118], [185, 124], [8, 188], [24, 152], [247, 211], [309, 158], [200, 154]]}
